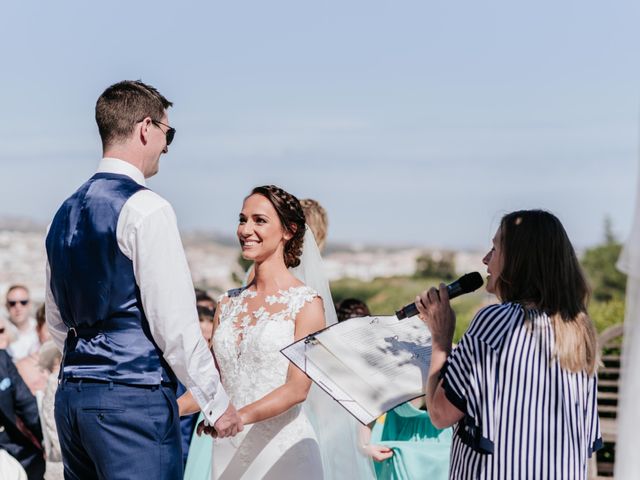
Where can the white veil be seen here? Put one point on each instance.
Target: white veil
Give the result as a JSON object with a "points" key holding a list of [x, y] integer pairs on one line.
{"points": [[336, 429]]}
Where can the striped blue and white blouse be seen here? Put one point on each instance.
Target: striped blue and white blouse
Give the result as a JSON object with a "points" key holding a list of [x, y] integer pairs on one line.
{"points": [[525, 417]]}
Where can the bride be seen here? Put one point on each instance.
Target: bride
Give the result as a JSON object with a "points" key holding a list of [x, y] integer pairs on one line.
{"points": [[293, 429], [251, 326]]}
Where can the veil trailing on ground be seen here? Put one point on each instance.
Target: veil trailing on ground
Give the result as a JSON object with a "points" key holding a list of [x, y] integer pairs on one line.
{"points": [[336, 429]]}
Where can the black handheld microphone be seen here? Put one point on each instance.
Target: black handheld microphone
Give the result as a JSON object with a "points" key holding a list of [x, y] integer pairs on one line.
{"points": [[465, 284]]}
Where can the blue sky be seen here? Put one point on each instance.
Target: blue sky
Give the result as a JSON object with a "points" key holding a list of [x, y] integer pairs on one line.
{"points": [[413, 122]]}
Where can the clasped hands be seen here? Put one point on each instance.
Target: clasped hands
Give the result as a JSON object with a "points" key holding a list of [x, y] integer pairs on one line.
{"points": [[228, 425]]}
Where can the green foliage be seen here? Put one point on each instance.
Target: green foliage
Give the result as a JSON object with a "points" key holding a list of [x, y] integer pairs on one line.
{"points": [[383, 295], [244, 263], [436, 266], [606, 280], [606, 314], [609, 236], [386, 295], [235, 278], [599, 263]]}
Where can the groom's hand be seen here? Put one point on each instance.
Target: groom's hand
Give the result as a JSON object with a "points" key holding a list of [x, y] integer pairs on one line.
{"points": [[229, 424]]}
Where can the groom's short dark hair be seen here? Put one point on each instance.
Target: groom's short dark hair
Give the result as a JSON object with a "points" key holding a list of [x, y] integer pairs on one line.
{"points": [[124, 104]]}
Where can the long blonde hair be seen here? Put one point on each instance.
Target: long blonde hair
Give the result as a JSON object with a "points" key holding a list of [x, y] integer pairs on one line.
{"points": [[317, 220], [540, 268]]}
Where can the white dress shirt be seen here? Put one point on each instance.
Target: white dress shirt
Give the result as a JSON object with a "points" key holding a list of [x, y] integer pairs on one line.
{"points": [[25, 342], [147, 234]]}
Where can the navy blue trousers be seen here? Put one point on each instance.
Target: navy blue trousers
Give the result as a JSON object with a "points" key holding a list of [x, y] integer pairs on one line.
{"points": [[110, 432]]}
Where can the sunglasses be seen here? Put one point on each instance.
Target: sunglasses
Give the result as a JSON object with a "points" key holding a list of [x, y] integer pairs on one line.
{"points": [[169, 134], [13, 303]]}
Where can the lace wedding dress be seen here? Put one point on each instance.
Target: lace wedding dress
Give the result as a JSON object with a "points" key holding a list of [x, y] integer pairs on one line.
{"points": [[247, 349]]}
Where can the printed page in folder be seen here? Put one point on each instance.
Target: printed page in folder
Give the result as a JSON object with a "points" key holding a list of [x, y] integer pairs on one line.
{"points": [[375, 362]]}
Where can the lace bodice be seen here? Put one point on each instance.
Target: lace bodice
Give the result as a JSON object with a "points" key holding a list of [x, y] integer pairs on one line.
{"points": [[247, 343]]}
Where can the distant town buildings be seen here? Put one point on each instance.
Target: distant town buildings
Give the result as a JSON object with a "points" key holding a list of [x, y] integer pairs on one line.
{"points": [[214, 264]]}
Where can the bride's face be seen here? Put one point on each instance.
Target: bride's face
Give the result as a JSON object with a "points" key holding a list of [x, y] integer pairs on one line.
{"points": [[260, 231]]}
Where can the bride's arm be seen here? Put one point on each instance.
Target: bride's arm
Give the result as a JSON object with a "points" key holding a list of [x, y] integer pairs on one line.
{"points": [[186, 403], [296, 387]]}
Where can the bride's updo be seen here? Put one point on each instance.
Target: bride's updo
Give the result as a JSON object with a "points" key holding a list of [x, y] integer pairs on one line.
{"points": [[292, 218]]}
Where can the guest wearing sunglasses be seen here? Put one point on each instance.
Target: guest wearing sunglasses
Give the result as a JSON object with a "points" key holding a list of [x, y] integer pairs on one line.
{"points": [[5, 335], [22, 324], [120, 303], [29, 367]]}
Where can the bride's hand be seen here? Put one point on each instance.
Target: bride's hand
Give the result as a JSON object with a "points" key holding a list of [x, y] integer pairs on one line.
{"points": [[229, 424]]}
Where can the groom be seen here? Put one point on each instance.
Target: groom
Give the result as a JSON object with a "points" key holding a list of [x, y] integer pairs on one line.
{"points": [[120, 304]]}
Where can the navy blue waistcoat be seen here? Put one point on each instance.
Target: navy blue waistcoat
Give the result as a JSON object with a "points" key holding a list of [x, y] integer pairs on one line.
{"points": [[94, 287]]}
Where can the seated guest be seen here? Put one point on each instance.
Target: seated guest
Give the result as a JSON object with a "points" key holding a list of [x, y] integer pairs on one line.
{"points": [[5, 334], [205, 315], [351, 308], [29, 367], [206, 310], [198, 460], [520, 387], [23, 326], [20, 431], [35, 378], [203, 299], [404, 443], [41, 326], [50, 358]]}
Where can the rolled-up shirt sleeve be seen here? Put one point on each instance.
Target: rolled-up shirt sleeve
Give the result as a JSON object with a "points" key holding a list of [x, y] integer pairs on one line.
{"points": [[148, 235]]}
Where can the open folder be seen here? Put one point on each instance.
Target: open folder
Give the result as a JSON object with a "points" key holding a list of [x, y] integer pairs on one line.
{"points": [[369, 364]]}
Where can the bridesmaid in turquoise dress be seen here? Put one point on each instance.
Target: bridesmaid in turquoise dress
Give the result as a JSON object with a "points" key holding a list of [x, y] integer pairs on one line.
{"points": [[198, 465], [420, 450], [199, 460], [407, 446]]}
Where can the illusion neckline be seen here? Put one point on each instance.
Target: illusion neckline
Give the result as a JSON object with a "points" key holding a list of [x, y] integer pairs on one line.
{"points": [[246, 291]]}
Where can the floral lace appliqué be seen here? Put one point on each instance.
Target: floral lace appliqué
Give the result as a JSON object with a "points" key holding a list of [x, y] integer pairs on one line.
{"points": [[247, 349], [247, 344]]}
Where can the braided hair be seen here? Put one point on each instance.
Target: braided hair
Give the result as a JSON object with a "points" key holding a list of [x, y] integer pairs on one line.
{"points": [[292, 218]]}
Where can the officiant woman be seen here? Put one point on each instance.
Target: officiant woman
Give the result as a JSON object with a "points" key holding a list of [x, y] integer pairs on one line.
{"points": [[520, 387]]}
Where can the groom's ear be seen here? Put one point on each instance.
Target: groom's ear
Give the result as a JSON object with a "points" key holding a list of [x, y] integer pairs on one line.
{"points": [[143, 132]]}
